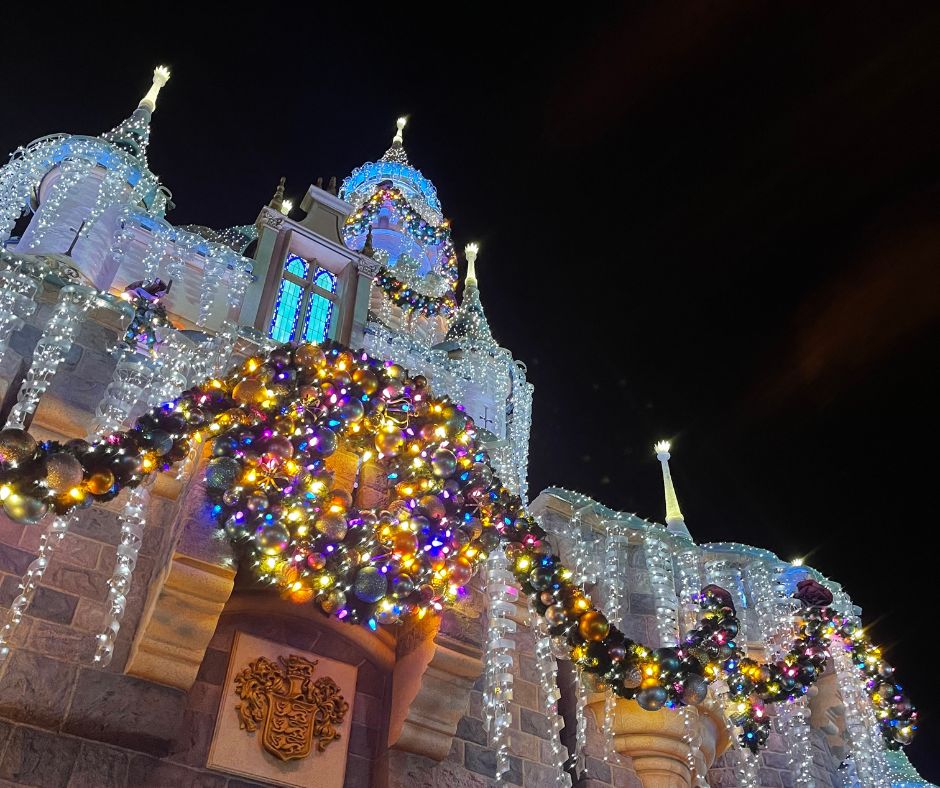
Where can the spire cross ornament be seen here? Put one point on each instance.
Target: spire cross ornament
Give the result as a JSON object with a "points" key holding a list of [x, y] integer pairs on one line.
{"points": [[675, 522], [161, 75]]}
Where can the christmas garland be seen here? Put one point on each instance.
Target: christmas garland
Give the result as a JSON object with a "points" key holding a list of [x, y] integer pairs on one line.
{"points": [[821, 629], [408, 299], [275, 420], [401, 293]]}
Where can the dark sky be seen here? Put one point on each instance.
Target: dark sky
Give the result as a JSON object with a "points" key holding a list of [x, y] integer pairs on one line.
{"points": [[714, 222]]}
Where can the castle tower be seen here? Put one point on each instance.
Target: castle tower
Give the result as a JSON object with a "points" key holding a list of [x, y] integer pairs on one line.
{"points": [[89, 183], [411, 238]]}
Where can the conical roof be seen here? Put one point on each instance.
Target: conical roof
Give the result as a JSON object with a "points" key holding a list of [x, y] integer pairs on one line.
{"points": [[470, 330], [133, 134]]}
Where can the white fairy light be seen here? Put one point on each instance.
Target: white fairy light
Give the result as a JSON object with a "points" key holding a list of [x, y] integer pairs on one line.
{"points": [[615, 569], [501, 597], [775, 623], [659, 563], [17, 298], [132, 374], [548, 678], [132, 521], [74, 302]]}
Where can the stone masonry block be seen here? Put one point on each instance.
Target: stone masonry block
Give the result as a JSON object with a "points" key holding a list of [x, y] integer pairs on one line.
{"points": [[47, 603], [470, 729], [98, 766], [35, 689], [151, 773], [125, 711], [13, 560], [35, 757], [533, 722], [60, 640]]}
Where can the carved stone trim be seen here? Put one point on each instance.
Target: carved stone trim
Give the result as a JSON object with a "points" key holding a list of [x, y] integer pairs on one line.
{"points": [[367, 267], [430, 690], [655, 743], [179, 621]]}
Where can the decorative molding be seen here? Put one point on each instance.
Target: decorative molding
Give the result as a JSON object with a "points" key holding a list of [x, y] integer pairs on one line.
{"points": [[430, 690], [271, 218], [656, 743], [368, 267], [179, 621]]}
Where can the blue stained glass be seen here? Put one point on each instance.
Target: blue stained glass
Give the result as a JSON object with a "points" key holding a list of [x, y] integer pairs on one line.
{"points": [[286, 311], [319, 308], [296, 266]]}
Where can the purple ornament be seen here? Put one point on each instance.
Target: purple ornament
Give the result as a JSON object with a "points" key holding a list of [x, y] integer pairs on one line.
{"points": [[813, 594], [719, 594]]}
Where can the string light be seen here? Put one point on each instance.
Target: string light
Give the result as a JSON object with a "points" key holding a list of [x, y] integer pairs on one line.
{"points": [[501, 595]]}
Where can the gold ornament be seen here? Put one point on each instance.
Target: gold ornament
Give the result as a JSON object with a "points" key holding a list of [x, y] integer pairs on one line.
{"points": [[63, 472], [593, 626], [310, 356], [248, 391], [16, 446], [99, 482]]}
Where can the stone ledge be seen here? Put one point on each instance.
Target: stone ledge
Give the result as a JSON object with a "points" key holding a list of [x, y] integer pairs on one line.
{"points": [[179, 621]]}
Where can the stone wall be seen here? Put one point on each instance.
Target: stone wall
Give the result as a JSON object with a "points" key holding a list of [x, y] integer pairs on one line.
{"points": [[470, 762], [775, 770]]}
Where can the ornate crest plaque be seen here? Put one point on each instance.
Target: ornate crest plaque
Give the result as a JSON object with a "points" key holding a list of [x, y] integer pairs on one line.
{"points": [[292, 708]]}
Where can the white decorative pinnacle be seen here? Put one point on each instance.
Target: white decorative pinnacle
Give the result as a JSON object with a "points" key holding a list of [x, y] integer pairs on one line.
{"points": [[399, 135], [471, 250], [161, 75], [674, 519], [286, 206]]}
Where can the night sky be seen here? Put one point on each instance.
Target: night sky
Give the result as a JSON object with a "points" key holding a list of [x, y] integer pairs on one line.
{"points": [[711, 222]]}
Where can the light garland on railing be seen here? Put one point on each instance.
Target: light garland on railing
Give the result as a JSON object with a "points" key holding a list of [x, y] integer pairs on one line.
{"points": [[125, 181]]}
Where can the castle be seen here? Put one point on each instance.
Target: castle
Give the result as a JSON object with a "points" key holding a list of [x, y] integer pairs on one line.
{"points": [[173, 633]]}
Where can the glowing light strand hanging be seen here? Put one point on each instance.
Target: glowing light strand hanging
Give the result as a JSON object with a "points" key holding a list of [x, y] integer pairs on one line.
{"points": [[548, 679], [501, 605], [74, 301]]}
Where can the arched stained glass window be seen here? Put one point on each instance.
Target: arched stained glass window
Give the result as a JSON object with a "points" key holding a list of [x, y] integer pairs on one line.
{"points": [[319, 307], [300, 295]]}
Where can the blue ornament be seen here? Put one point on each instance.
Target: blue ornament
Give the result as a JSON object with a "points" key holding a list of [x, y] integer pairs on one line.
{"points": [[370, 585]]}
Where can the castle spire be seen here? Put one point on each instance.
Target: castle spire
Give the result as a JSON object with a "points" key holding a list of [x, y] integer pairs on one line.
{"points": [[133, 134], [397, 153], [277, 201], [471, 250], [674, 519], [470, 330]]}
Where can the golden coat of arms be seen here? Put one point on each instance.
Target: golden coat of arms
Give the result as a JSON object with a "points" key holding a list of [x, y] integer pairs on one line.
{"points": [[291, 708]]}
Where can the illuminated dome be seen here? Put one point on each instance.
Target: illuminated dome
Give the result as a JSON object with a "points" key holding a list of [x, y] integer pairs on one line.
{"points": [[394, 166]]}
